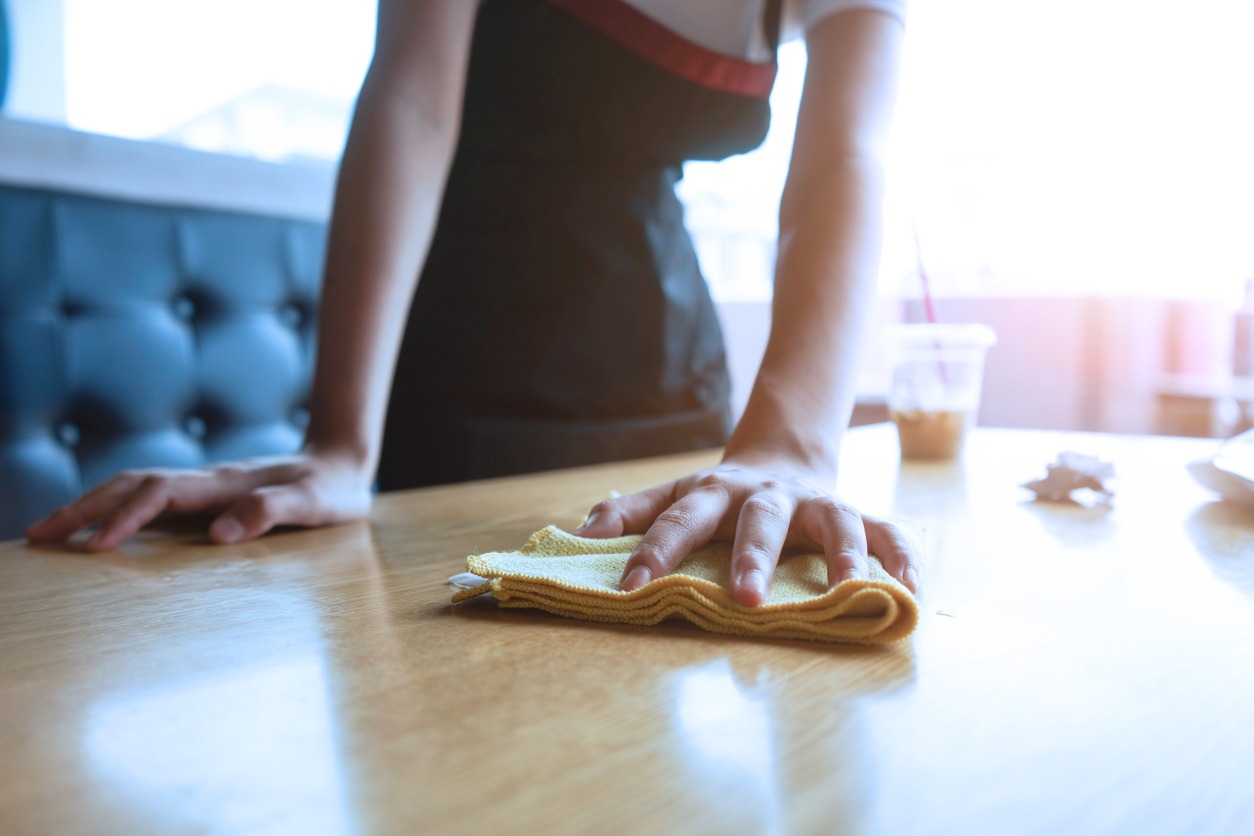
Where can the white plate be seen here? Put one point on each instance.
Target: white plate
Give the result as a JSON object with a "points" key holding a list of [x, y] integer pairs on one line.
{"points": [[1230, 472]]}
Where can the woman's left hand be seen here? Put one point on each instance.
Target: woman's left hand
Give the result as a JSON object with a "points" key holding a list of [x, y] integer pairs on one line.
{"points": [[761, 511]]}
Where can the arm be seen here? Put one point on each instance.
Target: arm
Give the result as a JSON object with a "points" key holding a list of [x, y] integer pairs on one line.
{"points": [[772, 488], [829, 243], [387, 198]]}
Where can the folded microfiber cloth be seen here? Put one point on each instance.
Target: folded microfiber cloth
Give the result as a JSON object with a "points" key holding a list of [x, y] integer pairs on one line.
{"points": [[578, 577]]}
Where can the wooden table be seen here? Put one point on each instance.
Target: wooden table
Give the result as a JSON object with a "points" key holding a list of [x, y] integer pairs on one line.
{"points": [[1075, 671]]}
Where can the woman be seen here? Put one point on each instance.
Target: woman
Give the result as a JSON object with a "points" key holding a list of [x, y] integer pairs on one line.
{"points": [[524, 154]]}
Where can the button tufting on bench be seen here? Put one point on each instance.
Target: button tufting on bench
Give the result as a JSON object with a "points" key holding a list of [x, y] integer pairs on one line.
{"points": [[290, 316], [68, 435], [194, 426], [184, 308], [135, 336]]}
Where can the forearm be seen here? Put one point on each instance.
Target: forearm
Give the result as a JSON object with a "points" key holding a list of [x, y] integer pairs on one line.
{"points": [[387, 199], [824, 292], [829, 244]]}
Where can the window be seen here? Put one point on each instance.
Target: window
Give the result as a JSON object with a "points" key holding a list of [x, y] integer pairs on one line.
{"points": [[1074, 147], [270, 78], [1088, 147]]}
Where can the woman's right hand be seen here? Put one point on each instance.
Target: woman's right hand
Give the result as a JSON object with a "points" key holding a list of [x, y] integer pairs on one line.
{"points": [[248, 498]]}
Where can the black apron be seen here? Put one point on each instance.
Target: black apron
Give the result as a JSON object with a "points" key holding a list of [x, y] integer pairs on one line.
{"points": [[561, 317]]}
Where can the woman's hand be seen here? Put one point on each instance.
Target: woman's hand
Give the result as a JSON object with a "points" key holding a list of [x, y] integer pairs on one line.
{"points": [[768, 492], [761, 511], [248, 498]]}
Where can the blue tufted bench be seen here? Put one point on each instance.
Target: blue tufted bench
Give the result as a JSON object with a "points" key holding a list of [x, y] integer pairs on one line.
{"points": [[137, 335]]}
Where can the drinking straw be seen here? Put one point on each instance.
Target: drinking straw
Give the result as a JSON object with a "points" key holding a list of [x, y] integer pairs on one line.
{"points": [[929, 303]]}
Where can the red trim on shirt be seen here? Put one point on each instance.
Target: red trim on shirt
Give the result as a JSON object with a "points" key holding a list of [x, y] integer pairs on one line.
{"points": [[654, 42]]}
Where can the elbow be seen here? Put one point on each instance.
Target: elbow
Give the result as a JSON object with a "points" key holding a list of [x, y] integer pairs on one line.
{"points": [[384, 100]]}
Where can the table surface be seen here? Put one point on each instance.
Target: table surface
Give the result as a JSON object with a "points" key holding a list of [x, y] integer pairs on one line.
{"points": [[1075, 670]]}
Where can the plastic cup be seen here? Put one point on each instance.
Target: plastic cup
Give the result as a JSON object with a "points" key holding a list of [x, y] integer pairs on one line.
{"points": [[937, 378]]}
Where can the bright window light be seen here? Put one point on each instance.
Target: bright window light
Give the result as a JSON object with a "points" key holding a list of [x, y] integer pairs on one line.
{"points": [[1077, 147]]}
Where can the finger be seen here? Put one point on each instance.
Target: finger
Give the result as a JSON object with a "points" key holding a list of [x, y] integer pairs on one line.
{"points": [[896, 551], [631, 514], [185, 492], [760, 535], [262, 510], [839, 529], [87, 510], [684, 526], [143, 505]]}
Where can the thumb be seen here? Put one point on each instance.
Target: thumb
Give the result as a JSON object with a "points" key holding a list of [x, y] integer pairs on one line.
{"points": [[260, 511], [630, 514]]}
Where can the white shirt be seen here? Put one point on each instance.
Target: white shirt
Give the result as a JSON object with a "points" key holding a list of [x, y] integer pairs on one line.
{"points": [[734, 27]]}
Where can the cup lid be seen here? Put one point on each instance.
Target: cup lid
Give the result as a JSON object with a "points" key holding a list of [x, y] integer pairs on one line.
{"points": [[947, 334]]}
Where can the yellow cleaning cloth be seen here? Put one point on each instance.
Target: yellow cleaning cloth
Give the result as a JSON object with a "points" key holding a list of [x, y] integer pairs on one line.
{"points": [[578, 577]]}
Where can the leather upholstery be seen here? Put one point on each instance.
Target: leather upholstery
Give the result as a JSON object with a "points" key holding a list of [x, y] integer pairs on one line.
{"points": [[135, 335]]}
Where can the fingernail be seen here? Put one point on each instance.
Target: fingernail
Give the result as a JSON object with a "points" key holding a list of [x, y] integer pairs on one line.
{"points": [[636, 578], [753, 581], [849, 575], [912, 579], [587, 521], [227, 530], [93, 541]]}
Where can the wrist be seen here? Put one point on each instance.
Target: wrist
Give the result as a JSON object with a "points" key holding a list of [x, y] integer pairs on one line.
{"points": [[351, 451], [800, 431], [812, 454], [812, 461]]}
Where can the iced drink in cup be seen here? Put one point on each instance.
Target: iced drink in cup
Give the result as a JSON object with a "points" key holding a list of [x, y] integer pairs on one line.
{"points": [[937, 375]]}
